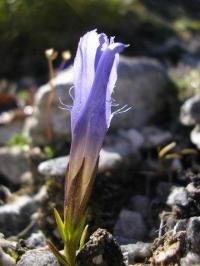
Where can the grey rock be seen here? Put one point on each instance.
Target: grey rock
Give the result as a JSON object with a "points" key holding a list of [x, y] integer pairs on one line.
{"points": [[109, 160], [191, 259], [178, 197], [39, 257], [11, 214], [54, 167], [155, 136], [143, 84], [5, 194], [130, 225], [16, 215], [137, 77], [181, 225], [36, 240], [140, 203], [135, 138], [193, 189], [7, 131], [193, 234], [190, 111], [195, 136], [15, 162], [190, 115], [136, 252], [36, 126]]}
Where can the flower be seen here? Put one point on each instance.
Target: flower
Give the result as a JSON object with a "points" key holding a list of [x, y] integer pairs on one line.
{"points": [[95, 74]]}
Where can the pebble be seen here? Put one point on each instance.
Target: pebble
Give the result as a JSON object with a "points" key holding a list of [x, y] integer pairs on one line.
{"points": [[130, 225], [137, 252], [39, 257], [178, 197], [193, 235]]}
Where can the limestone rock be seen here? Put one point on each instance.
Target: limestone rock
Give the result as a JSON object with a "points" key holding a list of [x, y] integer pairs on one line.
{"points": [[39, 257], [15, 162]]}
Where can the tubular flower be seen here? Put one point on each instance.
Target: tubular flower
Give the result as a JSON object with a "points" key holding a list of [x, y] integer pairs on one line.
{"points": [[95, 74]]}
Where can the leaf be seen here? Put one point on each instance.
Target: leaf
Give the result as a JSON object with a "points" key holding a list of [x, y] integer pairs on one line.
{"points": [[61, 259], [68, 228], [79, 230], [60, 225], [83, 237]]}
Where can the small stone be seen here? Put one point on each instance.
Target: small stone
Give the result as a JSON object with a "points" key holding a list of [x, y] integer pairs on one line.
{"points": [[15, 162], [195, 136], [36, 240], [100, 250], [178, 197], [135, 138], [155, 137], [181, 225], [193, 235], [190, 111], [191, 259], [54, 167], [16, 215], [5, 194], [39, 257], [130, 225], [193, 190], [137, 252], [140, 203]]}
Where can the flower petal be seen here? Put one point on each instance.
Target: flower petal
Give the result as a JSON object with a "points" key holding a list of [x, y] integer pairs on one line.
{"points": [[84, 71], [91, 126], [105, 78]]}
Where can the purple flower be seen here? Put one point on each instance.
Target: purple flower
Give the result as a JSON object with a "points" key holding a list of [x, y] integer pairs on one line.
{"points": [[95, 74]]}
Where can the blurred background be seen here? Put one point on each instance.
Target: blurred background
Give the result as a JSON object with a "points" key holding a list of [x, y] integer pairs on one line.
{"points": [[28, 27]]}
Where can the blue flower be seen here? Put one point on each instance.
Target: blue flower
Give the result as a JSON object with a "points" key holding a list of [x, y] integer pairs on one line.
{"points": [[95, 75]]}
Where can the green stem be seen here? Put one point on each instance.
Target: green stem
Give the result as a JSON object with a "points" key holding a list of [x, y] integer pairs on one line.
{"points": [[70, 254]]}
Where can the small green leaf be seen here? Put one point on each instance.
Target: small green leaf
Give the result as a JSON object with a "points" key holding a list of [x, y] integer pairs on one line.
{"points": [[61, 259], [60, 225], [83, 237]]}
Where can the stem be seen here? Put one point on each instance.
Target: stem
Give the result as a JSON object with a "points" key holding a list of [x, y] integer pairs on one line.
{"points": [[50, 99], [70, 253]]}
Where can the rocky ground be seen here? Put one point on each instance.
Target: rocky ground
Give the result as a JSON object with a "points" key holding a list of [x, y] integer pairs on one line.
{"points": [[147, 189]]}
